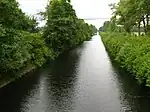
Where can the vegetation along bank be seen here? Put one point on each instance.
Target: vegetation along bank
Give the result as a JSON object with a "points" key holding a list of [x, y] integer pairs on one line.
{"points": [[25, 46], [132, 53], [126, 37]]}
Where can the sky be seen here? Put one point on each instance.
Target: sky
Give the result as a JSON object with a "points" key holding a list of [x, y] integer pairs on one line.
{"points": [[85, 9]]}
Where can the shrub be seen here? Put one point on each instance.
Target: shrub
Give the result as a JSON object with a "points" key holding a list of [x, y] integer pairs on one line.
{"points": [[132, 53], [19, 48], [63, 29]]}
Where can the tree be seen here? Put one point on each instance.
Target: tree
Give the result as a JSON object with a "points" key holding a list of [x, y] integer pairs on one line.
{"points": [[111, 26], [11, 16], [130, 13], [20, 46], [63, 28]]}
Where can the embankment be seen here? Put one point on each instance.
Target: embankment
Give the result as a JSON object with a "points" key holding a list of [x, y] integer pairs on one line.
{"points": [[132, 53]]}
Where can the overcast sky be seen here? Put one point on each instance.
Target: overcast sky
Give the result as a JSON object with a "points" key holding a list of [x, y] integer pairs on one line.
{"points": [[84, 8]]}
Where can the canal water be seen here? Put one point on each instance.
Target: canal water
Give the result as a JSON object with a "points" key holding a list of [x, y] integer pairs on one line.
{"points": [[82, 80]]}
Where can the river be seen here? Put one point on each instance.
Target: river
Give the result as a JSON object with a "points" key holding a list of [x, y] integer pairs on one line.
{"points": [[82, 80]]}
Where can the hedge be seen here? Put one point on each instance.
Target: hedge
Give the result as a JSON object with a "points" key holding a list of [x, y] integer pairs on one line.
{"points": [[132, 53]]}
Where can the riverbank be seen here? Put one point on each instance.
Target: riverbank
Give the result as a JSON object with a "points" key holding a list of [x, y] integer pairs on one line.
{"points": [[11, 77], [7, 79], [132, 53], [24, 43], [70, 83]]}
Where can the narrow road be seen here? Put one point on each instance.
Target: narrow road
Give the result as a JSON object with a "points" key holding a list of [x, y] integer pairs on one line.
{"points": [[82, 80]]}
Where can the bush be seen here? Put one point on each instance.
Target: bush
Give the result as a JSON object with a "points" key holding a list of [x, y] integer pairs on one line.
{"points": [[14, 50], [63, 29], [132, 53], [19, 48], [39, 51]]}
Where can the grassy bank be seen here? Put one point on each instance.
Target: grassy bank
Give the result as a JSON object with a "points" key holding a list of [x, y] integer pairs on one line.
{"points": [[7, 79], [132, 53]]}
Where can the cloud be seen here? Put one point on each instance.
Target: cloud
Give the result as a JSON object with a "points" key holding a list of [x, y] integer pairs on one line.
{"points": [[32, 7], [84, 9], [98, 9]]}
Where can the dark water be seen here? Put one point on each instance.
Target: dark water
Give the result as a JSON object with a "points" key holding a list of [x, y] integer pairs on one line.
{"points": [[82, 80]]}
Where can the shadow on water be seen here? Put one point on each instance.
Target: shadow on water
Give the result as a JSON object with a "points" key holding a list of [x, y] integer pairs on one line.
{"points": [[50, 88], [12, 96], [62, 82], [82, 80], [133, 96]]}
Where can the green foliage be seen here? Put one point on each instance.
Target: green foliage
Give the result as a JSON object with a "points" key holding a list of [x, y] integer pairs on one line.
{"points": [[60, 33], [11, 16], [19, 48], [13, 50], [111, 26], [39, 52], [60, 9], [94, 29], [63, 29], [132, 13], [132, 53], [22, 46]]}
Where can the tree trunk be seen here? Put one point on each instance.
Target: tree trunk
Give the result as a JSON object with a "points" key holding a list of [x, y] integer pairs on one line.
{"points": [[143, 19], [139, 28], [147, 19], [147, 22]]}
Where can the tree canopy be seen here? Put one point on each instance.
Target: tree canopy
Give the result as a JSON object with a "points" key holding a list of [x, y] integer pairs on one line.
{"points": [[63, 28], [132, 13], [23, 44]]}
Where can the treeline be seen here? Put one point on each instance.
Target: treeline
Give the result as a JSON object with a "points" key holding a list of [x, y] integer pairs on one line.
{"points": [[130, 51], [23, 44], [111, 26], [20, 46], [132, 15], [64, 29]]}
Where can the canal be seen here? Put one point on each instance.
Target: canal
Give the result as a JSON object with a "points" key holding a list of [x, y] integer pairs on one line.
{"points": [[82, 80]]}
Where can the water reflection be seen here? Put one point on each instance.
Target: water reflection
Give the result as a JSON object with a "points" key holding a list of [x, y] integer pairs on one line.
{"points": [[82, 80], [62, 83], [12, 96], [133, 97]]}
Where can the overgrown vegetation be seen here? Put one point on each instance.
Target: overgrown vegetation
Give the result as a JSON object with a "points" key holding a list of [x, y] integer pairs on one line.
{"points": [[63, 29], [19, 47], [22, 44], [132, 53], [130, 15]]}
